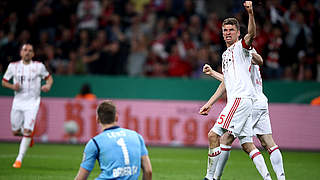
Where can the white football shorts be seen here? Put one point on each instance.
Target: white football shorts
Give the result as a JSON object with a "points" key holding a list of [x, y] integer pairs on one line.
{"points": [[23, 119], [236, 118], [261, 121]]}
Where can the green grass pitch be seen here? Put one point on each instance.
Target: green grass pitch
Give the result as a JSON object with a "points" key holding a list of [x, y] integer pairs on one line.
{"points": [[61, 161]]}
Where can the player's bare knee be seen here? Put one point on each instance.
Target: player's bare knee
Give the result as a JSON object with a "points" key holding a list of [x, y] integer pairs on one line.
{"points": [[248, 147], [262, 141], [214, 139], [212, 135], [266, 141], [227, 139]]}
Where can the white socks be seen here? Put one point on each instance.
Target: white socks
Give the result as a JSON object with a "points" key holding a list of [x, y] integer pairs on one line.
{"points": [[220, 162], [213, 158], [224, 156], [258, 160], [276, 161], [24, 145]]}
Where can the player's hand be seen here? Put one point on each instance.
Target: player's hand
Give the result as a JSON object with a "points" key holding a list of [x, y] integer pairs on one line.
{"points": [[204, 110], [248, 6], [16, 87], [45, 88], [207, 69]]}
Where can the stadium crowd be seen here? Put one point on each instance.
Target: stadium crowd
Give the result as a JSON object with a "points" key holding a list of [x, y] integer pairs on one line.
{"points": [[159, 38]]}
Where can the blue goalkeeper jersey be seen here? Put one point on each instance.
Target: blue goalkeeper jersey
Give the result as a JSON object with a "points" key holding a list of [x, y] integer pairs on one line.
{"points": [[118, 152]]}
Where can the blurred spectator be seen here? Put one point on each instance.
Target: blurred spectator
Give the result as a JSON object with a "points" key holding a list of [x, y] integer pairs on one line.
{"points": [[55, 63], [272, 63], [77, 59], [134, 37], [262, 37], [299, 34], [11, 23], [138, 55], [85, 93], [185, 45], [8, 50], [213, 27], [200, 61], [129, 14], [156, 66], [92, 59], [88, 12], [114, 58], [83, 39], [177, 67], [115, 30], [276, 11], [194, 30], [65, 44], [288, 74], [107, 9], [140, 4]]}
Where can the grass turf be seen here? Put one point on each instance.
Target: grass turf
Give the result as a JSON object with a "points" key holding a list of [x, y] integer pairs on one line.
{"points": [[61, 161]]}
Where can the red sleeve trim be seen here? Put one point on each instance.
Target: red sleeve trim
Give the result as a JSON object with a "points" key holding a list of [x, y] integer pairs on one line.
{"points": [[47, 77], [244, 45], [3, 79]]}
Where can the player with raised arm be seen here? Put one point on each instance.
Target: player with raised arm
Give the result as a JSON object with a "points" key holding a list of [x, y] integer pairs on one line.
{"points": [[120, 152], [236, 116], [260, 117], [27, 75]]}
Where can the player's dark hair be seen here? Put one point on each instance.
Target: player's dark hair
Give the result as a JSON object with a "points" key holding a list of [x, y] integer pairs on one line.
{"points": [[231, 21], [106, 112], [26, 44]]}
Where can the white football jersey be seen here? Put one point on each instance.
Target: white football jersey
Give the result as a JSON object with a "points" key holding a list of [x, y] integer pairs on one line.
{"points": [[29, 77], [261, 101], [236, 61]]}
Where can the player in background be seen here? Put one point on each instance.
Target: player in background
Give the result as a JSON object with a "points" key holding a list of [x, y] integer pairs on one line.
{"points": [[236, 116], [260, 117], [120, 152], [27, 75]]}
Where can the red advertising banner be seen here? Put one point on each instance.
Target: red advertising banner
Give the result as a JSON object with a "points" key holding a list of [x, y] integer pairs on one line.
{"points": [[169, 123]]}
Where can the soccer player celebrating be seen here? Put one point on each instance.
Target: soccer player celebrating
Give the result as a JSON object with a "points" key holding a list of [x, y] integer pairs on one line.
{"points": [[260, 118], [120, 152], [27, 75], [236, 117]]}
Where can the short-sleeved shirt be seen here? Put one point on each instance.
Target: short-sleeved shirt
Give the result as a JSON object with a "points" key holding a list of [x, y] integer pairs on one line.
{"points": [[261, 101], [236, 62], [118, 152], [29, 78]]}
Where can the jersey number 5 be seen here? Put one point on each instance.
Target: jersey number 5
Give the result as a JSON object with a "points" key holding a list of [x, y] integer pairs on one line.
{"points": [[124, 148], [221, 118]]}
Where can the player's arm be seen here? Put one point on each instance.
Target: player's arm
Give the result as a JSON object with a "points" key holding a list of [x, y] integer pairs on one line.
{"points": [[209, 71], [7, 76], [8, 85], [248, 38], [83, 174], [257, 59], [46, 87], [214, 98], [146, 168], [88, 161]]}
